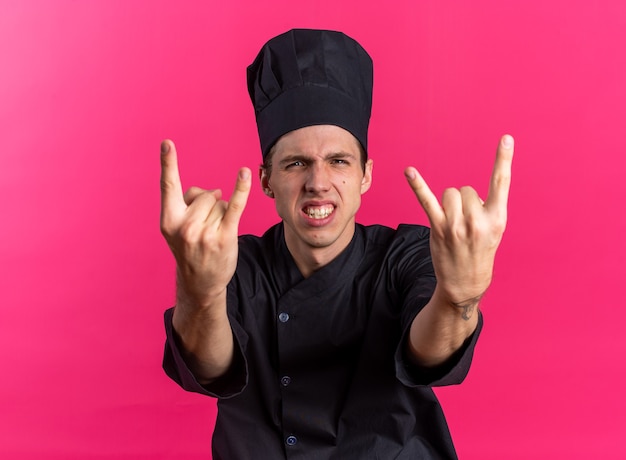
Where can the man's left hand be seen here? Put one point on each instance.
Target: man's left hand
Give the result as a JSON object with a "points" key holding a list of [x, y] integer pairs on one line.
{"points": [[465, 230]]}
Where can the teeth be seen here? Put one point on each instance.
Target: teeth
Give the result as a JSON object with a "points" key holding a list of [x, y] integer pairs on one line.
{"points": [[319, 213]]}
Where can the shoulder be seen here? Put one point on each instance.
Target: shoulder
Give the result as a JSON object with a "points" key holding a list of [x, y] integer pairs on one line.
{"points": [[261, 254], [405, 245], [404, 234], [255, 244]]}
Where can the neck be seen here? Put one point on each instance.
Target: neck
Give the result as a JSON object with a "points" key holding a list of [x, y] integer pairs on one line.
{"points": [[309, 258], [311, 262]]}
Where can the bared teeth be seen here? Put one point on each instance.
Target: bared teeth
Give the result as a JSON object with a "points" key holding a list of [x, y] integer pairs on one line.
{"points": [[319, 212]]}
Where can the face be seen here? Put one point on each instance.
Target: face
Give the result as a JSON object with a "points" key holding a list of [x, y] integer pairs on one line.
{"points": [[317, 180]]}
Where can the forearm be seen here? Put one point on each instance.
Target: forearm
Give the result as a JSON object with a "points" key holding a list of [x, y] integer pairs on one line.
{"points": [[205, 336], [440, 329]]}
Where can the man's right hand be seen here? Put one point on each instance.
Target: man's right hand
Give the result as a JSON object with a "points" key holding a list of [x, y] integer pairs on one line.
{"points": [[201, 229]]}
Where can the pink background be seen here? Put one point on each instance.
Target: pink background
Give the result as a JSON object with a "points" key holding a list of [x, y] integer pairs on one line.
{"points": [[89, 88]]}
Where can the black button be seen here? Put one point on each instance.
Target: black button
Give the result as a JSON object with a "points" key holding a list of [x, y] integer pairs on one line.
{"points": [[291, 440], [286, 380], [283, 317]]}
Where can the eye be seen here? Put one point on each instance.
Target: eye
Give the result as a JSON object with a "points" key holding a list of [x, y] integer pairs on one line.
{"points": [[294, 164], [339, 161]]}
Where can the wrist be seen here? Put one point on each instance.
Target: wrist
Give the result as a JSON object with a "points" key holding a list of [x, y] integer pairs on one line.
{"points": [[198, 296], [464, 305]]}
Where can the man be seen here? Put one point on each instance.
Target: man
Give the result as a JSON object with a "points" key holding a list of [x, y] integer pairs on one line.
{"points": [[322, 338]]}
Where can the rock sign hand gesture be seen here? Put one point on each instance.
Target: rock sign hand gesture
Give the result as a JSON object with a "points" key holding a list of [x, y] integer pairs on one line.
{"points": [[465, 230], [201, 229]]}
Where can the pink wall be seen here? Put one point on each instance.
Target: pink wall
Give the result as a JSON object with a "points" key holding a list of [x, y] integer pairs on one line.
{"points": [[88, 90]]}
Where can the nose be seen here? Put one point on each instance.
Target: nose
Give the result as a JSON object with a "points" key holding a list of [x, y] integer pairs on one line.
{"points": [[318, 179]]}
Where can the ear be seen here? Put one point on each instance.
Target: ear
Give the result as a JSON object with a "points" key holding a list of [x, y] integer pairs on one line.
{"points": [[265, 182], [366, 182]]}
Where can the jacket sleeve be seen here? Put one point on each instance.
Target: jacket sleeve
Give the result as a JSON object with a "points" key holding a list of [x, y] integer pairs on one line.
{"points": [[452, 372], [230, 384], [414, 278]]}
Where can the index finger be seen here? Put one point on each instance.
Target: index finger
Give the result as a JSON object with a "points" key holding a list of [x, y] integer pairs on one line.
{"points": [[501, 175], [171, 187], [238, 199], [424, 195]]}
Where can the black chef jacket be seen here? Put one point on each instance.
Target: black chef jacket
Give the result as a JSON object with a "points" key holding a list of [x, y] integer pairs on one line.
{"points": [[319, 370]]}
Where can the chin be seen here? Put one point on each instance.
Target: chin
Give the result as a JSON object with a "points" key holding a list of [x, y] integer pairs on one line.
{"points": [[321, 238], [319, 242]]}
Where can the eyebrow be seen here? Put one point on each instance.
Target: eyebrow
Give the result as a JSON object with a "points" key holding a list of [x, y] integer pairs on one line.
{"points": [[307, 158]]}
